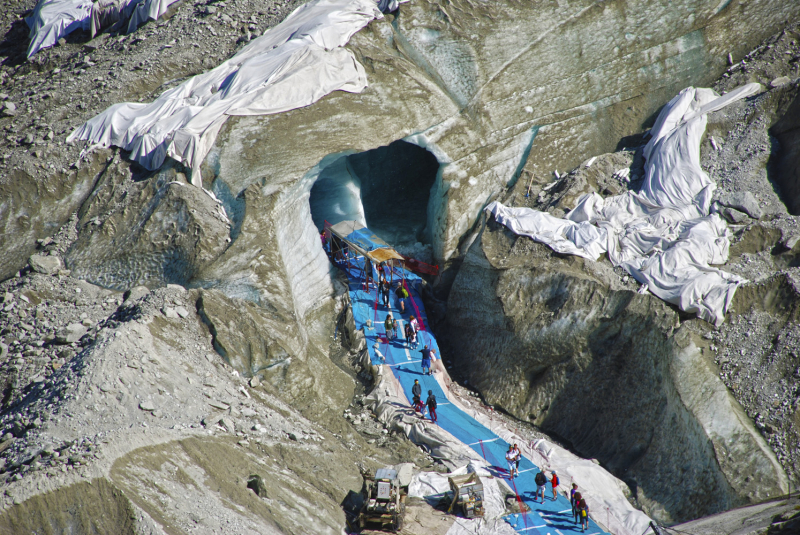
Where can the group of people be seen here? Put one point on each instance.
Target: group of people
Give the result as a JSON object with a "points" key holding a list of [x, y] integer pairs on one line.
{"points": [[513, 456], [430, 403], [411, 329], [541, 484], [580, 510], [384, 287]]}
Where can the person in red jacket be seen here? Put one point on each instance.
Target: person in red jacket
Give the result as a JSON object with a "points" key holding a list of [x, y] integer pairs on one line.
{"points": [[554, 482]]}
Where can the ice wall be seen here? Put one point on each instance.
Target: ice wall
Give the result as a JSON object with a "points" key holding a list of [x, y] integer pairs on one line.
{"points": [[336, 195]]}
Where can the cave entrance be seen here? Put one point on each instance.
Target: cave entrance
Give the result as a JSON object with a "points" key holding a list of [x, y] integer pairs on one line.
{"points": [[388, 189], [783, 168]]}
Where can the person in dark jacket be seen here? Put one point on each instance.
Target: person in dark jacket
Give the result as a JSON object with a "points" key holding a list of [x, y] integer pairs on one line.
{"points": [[575, 511], [572, 494], [541, 481], [368, 275], [416, 391], [389, 326], [383, 287], [431, 403], [426, 360], [411, 336]]}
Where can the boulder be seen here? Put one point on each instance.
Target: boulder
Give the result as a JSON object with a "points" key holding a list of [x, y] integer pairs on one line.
{"points": [[135, 293], [48, 265], [790, 241], [71, 333], [744, 201], [228, 424], [9, 109], [780, 81], [734, 216], [221, 405], [212, 419]]}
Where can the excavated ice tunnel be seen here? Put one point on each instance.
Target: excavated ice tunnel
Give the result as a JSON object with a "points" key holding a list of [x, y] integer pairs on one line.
{"points": [[393, 189], [387, 189]]}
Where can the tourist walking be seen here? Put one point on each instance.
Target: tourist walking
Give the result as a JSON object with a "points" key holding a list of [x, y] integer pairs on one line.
{"points": [[554, 483], [510, 458], [517, 456], [583, 510], [575, 511], [415, 327], [401, 294], [572, 493], [368, 272], [433, 360], [541, 481], [414, 323], [389, 326], [383, 288], [416, 392], [426, 360], [431, 404], [411, 336]]}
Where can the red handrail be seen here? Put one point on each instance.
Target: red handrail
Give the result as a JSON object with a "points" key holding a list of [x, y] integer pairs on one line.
{"points": [[417, 266]]}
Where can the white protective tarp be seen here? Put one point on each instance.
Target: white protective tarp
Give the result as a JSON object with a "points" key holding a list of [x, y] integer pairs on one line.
{"points": [[292, 65], [664, 235], [53, 19], [145, 10], [433, 483], [426, 484]]}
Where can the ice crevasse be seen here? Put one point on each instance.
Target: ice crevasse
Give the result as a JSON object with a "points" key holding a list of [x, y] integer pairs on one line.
{"points": [[665, 235]]}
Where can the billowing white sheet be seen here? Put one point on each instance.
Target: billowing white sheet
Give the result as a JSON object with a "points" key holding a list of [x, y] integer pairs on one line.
{"points": [[663, 235], [147, 10], [292, 65], [53, 19], [433, 483]]}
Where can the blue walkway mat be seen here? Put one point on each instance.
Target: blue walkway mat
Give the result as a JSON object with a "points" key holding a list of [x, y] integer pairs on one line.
{"points": [[548, 518]]}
